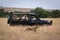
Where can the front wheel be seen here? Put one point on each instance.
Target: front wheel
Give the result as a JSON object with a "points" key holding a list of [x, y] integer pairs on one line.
{"points": [[51, 22]]}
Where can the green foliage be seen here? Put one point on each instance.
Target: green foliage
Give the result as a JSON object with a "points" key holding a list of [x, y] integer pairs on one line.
{"points": [[42, 13], [3, 14], [46, 14], [55, 13], [18, 12]]}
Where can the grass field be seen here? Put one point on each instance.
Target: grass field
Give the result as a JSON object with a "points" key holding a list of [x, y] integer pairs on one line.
{"points": [[18, 32]]}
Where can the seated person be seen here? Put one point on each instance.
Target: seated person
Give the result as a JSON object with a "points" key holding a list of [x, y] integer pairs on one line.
{"points": [[33, 18], [12, 16], [24, 17]]}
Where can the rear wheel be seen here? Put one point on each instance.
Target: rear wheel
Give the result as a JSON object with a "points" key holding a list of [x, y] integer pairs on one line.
{"points": [[8, 21]]}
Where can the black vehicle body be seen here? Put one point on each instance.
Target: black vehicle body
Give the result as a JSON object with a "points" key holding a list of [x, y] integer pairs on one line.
{"points": [[38, 21]]}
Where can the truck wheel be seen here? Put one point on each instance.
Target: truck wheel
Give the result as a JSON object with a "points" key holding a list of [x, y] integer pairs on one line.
{"points": [[51, 22]]}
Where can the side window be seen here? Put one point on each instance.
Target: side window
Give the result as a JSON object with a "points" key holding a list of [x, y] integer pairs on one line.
{"points": [[34, 18]]}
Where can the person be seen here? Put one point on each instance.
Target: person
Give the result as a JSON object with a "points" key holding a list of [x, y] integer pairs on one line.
{"points": [[33, 18], [12, 16], [24, 17]]}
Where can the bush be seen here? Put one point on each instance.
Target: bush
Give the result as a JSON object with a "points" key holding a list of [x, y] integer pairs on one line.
{"points": [[3, 14]]}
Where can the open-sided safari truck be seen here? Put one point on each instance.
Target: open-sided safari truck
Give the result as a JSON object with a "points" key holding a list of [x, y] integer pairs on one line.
{"points": [[26, 19]]}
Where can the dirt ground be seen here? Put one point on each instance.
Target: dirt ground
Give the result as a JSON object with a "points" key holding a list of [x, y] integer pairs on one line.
{"points": [[44, 32]]}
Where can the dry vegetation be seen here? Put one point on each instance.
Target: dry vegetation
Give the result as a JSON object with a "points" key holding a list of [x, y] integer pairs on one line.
{"points": [[18, 32]]}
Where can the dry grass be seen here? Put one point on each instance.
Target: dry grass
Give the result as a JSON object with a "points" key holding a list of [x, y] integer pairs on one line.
{"points": [[17, 32]]}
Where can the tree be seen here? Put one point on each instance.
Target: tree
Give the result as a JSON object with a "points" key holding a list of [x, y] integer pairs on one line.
{"points": [[40, 11], [46, 14], [55, 13]]}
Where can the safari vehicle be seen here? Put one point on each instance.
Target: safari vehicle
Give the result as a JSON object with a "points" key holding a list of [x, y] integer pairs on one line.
{"points": [[32, 19]]}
